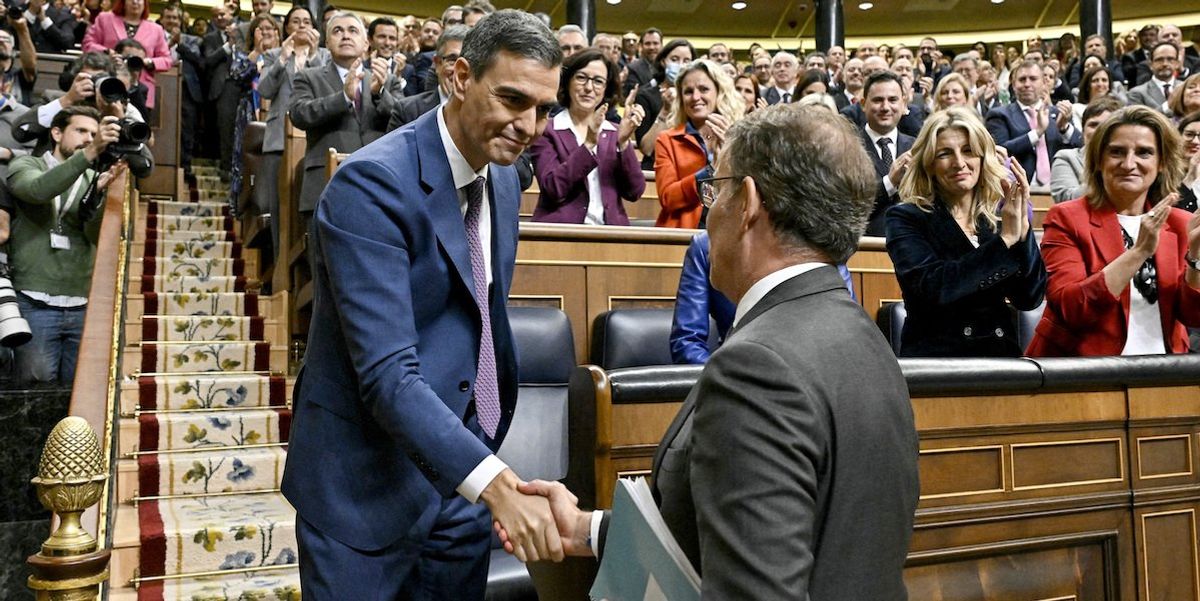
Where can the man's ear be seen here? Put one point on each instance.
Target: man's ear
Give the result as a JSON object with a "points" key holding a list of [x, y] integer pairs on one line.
{"points": [[752, 207], [56, 135], [461, 80]]}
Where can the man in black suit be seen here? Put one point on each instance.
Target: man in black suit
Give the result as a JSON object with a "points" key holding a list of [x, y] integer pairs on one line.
{"points": [[850, 88], [1189, 62], [1147, 38], [407, 109], [185, 48], [1029, 128], [52, 29], [1093, 45], [641, 71], [223, 93], [884, 106], [766, 477]]}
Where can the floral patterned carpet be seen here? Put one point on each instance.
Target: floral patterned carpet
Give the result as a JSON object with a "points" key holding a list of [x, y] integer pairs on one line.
{"points": [[212, 422]]}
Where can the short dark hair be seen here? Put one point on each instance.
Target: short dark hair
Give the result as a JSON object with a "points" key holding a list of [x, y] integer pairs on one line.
{"points": [[291, 11], [1187, 120], [649, 31], [1101, 105], [63, 117], [808, 78], [879, 77], [512, 31], [381, 21], [660, 69], [128, 43], [816, 181], [575, 63], [479, 7], [453, 33], [1160, 45]]}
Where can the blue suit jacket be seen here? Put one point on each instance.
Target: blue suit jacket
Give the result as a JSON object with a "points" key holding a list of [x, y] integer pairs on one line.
{"points": [[1010, 128], [378, 439]]}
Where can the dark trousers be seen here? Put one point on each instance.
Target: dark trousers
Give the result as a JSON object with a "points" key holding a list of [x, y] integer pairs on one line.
{"points": [[227, 106], [187, 131]]}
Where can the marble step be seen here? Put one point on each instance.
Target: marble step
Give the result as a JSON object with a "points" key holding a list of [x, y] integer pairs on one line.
{"points": [[199, 392]]}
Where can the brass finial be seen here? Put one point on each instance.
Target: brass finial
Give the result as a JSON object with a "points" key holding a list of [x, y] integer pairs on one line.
{"points": [[70, 479]]}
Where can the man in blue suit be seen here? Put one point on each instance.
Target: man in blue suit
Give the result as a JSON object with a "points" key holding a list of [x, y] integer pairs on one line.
{"points": [[1030, 128], [409, 382]]}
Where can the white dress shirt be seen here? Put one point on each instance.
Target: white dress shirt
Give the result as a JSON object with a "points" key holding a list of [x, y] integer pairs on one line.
{"points": [[1144, 332], [463, 175], [595, 210]]}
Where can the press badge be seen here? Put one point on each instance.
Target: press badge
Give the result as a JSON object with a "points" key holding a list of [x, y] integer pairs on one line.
{"points": [[59, 242]]}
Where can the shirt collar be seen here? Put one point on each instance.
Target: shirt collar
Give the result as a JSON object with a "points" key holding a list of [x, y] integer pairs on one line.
{"points": [[761, 288], [1037, 106], [891, 135], [562, 121], [460, 169]]}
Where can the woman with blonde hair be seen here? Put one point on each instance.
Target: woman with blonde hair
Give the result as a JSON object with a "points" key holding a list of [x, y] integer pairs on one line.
{"points": [[706, 104], [961, 242], [952, 90]]}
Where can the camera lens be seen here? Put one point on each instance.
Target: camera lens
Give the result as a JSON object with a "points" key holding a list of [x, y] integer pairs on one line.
{"points": [[135, 63], [110, 88]]}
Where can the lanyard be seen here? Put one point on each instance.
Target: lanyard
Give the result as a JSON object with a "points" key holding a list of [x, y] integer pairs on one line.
{"points": [[61, 209]]}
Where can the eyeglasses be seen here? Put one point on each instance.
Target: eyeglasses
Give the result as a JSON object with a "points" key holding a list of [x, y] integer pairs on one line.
{"points": [[582, 80], [1191, 135], [708, 189]]}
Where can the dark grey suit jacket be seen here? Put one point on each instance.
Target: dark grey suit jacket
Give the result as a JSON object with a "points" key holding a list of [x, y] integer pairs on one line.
{"points": [[785, 475], [319, 108], [407, 109]]}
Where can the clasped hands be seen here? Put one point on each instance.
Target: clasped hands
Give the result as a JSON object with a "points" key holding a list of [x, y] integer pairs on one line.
{"points": [[538, 520]]}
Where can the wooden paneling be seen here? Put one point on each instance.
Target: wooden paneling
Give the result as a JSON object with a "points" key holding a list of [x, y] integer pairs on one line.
{"points": [[1171, 560], [1166, 456], [555, 285], [1062, 463], [962, 471]]}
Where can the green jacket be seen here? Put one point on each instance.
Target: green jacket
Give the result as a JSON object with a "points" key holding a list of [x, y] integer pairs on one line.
{"points": [[35, 265]]}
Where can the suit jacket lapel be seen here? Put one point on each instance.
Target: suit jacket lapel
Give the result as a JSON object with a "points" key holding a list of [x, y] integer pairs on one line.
{"points": [[118, 26], [504, 212], [1108, 240]]}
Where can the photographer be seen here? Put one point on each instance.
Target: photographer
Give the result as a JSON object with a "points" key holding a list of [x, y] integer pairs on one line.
{"points": [[112, 100], [134, 55], [20, 73], [52, 29], [53, 240]]}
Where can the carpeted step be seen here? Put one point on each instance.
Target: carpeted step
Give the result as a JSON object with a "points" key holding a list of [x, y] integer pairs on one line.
{"points": [[156, 328], [212, 471], [273, 585], [176, 431], [206, 235], [212, 195], [205, 356], [196, 249], [178, 283], [223, 303], [180, 223], [215, 391], [206, 268], [190, 534], [188, 209]]}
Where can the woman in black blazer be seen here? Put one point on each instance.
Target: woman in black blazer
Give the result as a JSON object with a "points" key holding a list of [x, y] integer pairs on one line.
{"points": [[958, 255]]}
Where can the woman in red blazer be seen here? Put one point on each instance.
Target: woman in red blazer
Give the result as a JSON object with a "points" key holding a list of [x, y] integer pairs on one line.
{"points": [[128, 20], [688, 151], [1122, 261]]}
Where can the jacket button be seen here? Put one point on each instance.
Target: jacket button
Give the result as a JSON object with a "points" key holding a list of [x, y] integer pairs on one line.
{"points": [[967, 331], [464, 386], [999, 333]]}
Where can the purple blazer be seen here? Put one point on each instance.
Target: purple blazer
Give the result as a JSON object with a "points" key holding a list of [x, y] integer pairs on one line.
{"points": [[562, 166]]}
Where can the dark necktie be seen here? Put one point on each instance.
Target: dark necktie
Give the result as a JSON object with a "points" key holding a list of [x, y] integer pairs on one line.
{"points": [[1166, 90], [787, 97], [487, 389], [885, 152]]}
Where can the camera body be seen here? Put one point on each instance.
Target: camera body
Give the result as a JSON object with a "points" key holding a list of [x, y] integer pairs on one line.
{"points": [[14, 10], [133, 135]]}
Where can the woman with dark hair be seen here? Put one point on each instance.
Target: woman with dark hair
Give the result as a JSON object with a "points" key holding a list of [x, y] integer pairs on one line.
{"points": [[1189, 190], [584, 164], [813, 81], [265, 34], [747, 86], [1096, 82], [128, 19], [658, 101], [1122, 260], [962, 244]]}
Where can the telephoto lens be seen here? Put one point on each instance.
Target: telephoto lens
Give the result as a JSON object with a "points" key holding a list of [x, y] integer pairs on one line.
{"points": [[110, 88], [14, 330], [135, 63], [133, 132]]}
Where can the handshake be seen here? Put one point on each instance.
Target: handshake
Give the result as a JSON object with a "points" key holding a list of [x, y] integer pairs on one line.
{"points": [[538, 520]]}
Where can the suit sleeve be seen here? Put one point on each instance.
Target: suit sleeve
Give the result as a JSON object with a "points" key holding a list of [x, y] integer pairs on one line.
{"points": [[557, 176], [1078, 295], [931, 281], [1064, 182], [631, 182], [677, 192], [756, 493], [214, 52], [310, 111], [61, 34], [158, 55], [368, 265], [1017, 144], [1187, 301], [274, 73], [689, 329]]}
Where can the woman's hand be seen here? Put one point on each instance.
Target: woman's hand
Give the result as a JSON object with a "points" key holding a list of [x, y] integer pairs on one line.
{"points": [[713, 132], [594, 123], [1014, 217], [1193, 171], [1152, 223], [631, 120]]}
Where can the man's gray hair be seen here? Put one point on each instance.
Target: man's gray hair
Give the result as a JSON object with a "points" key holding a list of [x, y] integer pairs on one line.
{"points": [[811, 171], [513, 31], [571, 28], [600, 36], [343, 14], [453, 33], [784, 54], [965, 57]]}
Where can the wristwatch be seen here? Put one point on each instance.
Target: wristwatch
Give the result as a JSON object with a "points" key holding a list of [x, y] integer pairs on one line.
{"points": [[1191, 262]]}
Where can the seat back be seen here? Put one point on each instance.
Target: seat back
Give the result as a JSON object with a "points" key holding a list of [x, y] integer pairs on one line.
{"points": [[890, 320], [632, 338]]}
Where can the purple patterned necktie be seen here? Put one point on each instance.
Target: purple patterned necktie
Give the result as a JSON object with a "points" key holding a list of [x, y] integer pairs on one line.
{"points": [[487, 390]]}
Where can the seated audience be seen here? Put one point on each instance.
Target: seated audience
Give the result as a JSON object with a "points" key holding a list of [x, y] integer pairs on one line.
{"points": [[695, 302], [658, 100], [52, 246], [748, 88], [1123, 275], [1030, 128], [705, 106], [883, 102], [960, 258], [585, 165], [299, 51], [1185, 98], [130, 20], [1189, 129], [1067, 177]]}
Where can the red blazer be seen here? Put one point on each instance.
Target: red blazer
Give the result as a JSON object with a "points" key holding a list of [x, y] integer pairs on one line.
{"points": [[108, 29], [1082, 317], [677, 158]]}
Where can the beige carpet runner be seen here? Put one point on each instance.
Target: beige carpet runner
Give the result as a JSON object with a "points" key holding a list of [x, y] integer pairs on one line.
{"points": [[212, 420]]}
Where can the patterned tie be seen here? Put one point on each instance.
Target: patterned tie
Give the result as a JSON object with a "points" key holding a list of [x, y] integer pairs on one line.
{"points": [[357, 99], [487, 390], [1043, 155], [885, 153]]}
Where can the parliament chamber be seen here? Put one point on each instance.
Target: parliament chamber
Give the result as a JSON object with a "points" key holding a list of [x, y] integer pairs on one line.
{"points": [[1041, 479]]}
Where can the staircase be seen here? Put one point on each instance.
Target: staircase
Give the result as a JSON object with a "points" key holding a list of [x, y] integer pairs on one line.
{"points": [[204, 414]]}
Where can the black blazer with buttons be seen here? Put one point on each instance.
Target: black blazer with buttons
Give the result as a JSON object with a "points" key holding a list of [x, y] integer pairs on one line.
{"points": [[955, 293]]}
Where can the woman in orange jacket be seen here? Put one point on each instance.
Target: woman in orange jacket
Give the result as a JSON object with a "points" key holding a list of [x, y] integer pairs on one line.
{"points": [[706, 104]]}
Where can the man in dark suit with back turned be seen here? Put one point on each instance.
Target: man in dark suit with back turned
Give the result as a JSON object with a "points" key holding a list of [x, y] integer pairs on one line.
{"points": [[343, 104], [785, 475], [409, 383], [884, 107]]}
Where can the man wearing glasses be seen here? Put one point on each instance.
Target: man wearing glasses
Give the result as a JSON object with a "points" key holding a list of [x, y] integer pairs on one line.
{"points": [[449, 46]]}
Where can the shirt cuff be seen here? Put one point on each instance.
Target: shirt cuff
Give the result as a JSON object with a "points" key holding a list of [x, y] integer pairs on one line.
{"points": [[481, 477], [594, 532], [47, 111], [888, 186], [1033, 137]]}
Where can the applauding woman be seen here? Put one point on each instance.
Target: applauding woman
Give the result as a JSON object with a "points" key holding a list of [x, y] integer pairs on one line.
{"points": [[706, 105], [584, 164], [1122, 260], [959, 257]]}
